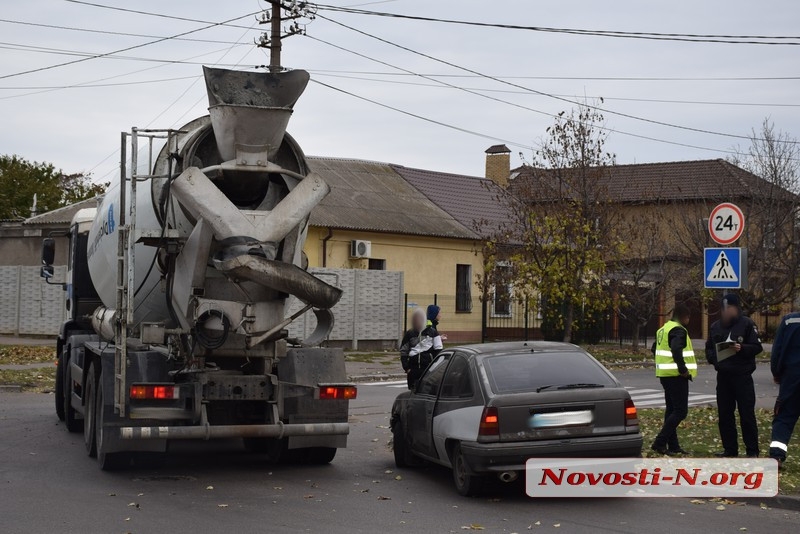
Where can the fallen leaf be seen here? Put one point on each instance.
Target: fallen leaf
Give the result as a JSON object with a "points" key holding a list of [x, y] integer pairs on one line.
{"points": [[697, 501], [764, 506], [742, 529], [308, 496], [131, 504], [398, 477], [140, 495], [382, 498], [388, 472], [209, 487], [721, 507], [222, 505], [127, 519], [112, 494], [473, 527], [557, 525], [277, 488]]}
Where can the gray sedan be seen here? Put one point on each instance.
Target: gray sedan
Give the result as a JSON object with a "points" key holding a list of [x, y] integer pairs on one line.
{"points": [[483, 410]]}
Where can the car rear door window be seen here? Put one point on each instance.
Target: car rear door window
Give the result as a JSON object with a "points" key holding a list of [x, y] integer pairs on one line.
{"points": [[525, 372], [432, 379], [457, 382]]}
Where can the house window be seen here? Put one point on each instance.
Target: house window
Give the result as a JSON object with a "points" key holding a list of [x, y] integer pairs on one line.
{"points": [[463, 288], [501, 306], [376, 265], [770, 235]]}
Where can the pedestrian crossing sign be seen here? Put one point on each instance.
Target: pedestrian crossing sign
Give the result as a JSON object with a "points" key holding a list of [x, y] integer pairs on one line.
{"points": [[724, 268]]}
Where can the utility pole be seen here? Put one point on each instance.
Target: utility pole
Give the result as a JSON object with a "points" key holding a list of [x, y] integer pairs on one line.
{"points": [[275, 37], [297, 13]]}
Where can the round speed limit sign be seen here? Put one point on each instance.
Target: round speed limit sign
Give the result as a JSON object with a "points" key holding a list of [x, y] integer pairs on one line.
{"points": [[726, 223]]}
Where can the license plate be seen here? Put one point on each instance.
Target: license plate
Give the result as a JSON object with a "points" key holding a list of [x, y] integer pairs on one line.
{"points": [[559, 419]]}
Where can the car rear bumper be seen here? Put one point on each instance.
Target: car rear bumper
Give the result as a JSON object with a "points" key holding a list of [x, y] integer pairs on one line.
{"points": [[498, 457]]}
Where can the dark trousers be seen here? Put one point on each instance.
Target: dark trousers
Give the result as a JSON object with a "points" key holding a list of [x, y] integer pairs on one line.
{"points": [[737, 391], [413, 377], [676, 395], [787, 411]]}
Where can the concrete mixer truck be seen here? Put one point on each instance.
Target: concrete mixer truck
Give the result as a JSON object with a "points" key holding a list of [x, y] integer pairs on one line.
{"points": [[177, 286]]}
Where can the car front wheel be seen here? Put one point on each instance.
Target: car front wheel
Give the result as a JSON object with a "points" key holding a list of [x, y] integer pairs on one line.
{"points": [[403, 457], [466, 484]]}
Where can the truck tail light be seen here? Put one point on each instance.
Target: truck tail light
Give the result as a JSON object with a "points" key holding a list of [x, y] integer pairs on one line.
{"points": [[631, 417], [490, 422], [154, 392], [338, 392]]}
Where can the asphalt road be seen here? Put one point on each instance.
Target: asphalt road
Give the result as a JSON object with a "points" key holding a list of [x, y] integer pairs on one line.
{"points": [[48, 484]]}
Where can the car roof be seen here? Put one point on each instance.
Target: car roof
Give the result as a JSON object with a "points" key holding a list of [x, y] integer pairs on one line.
{"points": [[518, 347]]}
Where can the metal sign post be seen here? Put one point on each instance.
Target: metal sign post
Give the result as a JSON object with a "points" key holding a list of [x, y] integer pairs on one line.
{"points": [[725, 268]]}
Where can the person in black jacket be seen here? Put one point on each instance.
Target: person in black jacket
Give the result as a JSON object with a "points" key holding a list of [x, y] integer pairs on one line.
{"points": [[785, 367], [420, 345], [735, 386]]}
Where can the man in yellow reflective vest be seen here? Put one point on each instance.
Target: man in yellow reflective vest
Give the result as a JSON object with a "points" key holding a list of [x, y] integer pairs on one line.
{"points": [[675, 367]]}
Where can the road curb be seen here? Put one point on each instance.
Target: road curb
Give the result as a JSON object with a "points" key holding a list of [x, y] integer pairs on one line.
{"points": [[10, 388], [376, 378], [783, 502]]}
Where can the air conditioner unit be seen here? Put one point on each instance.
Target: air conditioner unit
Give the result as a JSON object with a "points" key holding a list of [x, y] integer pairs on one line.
{"points": [[360, 249]]}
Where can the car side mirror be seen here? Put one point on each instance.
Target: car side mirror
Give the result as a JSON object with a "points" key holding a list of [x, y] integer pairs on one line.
{"points": [[48, 253]]}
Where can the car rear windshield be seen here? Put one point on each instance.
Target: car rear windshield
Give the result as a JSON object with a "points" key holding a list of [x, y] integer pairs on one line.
{"points": [[520, 373]]}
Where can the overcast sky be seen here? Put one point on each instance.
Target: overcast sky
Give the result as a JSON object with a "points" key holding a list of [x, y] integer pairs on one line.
{"points": [[77, 129]]}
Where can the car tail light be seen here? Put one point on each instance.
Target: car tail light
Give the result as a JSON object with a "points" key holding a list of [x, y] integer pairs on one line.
{"points": [[631, 417], [490, 422], [338, 392], [154, 392]]}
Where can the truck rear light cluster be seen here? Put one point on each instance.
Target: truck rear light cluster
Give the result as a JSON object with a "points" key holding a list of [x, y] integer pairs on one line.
{"points": [[631, 417], [338, 392], [490, 422], [154, 392]]}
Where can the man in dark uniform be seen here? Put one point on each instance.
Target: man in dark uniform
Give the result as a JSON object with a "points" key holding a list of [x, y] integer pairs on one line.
{"points": [[735, 369], [785, 366]]}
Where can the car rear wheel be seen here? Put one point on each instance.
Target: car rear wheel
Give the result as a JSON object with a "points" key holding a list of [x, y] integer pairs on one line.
{"points": [[466, 484], [403, 457]]}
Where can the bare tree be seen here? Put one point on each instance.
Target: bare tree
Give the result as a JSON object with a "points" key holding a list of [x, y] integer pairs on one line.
{"points": [[561, 232]]}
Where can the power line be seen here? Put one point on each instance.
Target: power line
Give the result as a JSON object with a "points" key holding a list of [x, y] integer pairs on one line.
{"points": [[162, 15], [126, 49], [509, 91], [774, 40], [542, 93], [423, 118], [579, 78], [599, 126], [109, 32]]}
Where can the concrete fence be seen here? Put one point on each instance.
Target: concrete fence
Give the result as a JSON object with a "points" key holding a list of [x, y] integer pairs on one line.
{"points": [[29, 306], [369, 315]]}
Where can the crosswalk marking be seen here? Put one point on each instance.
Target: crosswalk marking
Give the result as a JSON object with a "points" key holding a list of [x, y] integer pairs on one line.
{"points": [[643, 398]]}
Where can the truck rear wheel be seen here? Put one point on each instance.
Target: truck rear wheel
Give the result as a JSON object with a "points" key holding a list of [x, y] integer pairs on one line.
{"points": [[108, 461], [90, 421], [273, 448], [317, 455], [71, 420]]}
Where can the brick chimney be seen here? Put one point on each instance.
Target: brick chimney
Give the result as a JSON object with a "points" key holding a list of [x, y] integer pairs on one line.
{"points": [[498, 164]]}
